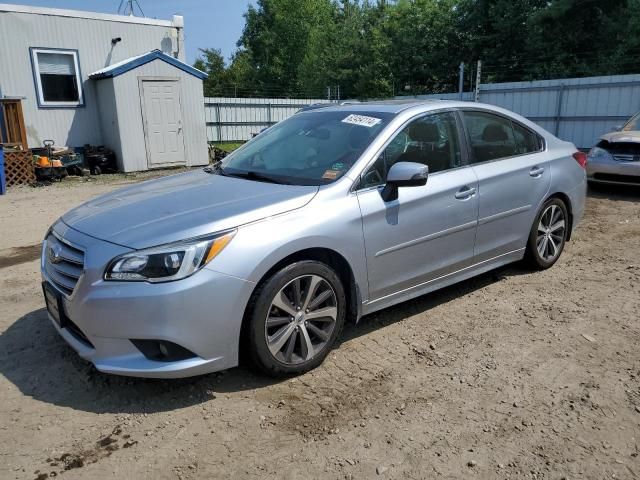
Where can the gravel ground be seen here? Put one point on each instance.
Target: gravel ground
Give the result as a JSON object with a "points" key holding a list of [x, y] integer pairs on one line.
{"points": [[513, 374]]}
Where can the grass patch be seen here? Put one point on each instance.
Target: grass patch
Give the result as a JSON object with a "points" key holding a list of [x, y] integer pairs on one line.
{"points": [[228, 146]]}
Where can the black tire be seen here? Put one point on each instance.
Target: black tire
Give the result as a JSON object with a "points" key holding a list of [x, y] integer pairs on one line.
{"points": [[532, 255], [260, 308]]}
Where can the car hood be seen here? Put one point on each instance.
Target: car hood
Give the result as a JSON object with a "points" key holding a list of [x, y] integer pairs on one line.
{"points": [[182, 206], [628, 137]]}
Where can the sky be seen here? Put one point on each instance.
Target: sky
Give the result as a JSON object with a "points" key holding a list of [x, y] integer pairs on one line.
{"points": [[207, 23]]}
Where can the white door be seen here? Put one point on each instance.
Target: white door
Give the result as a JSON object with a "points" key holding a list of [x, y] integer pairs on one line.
{"points": [[163, 123]]}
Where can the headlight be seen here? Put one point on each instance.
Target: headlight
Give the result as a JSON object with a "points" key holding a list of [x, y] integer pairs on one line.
{"points": [[169, 262], [598, 154]]}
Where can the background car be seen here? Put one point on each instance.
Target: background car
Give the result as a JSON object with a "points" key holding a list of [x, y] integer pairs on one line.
{"points": [[616, 157]]}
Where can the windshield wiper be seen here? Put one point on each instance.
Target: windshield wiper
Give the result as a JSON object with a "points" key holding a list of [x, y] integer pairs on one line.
{"points": [[214, 168], [257, 176]]}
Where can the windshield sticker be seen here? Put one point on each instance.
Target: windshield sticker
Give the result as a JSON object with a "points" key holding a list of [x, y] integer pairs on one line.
{"points": [[337, 166], [362, 120], [330, 174]]}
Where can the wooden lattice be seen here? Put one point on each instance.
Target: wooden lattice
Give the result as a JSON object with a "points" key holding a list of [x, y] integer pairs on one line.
{"points": [[18, 168]]}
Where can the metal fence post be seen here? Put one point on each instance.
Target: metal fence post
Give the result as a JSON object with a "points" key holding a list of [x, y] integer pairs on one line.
{"points": [[558, 118], [461, 80], [476, 96], [269, 121], [218, 121]]}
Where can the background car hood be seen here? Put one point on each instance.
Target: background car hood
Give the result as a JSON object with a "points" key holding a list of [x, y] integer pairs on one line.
{"points": [[615, 137], [182, 206]]}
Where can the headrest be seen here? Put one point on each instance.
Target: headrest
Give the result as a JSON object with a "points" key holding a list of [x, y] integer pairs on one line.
{"points": [[494, 133], [424, 132]]}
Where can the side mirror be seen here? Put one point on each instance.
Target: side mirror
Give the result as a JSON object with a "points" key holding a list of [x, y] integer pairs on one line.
{"points": [[404, 174]]}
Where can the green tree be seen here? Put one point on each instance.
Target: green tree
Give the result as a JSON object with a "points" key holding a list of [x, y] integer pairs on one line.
{"points": [[212, 63], [378, 48]]}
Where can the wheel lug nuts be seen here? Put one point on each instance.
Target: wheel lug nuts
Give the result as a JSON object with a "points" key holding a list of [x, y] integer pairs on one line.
{"points": [[306, 311]]}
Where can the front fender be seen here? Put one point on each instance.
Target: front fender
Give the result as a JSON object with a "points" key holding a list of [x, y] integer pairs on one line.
{"points": [[329, 223]]}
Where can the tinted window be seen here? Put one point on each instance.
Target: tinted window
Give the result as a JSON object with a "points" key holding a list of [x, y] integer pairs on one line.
{"points": [[526, 140], [431, 140], [310, 148], [491, 136]]}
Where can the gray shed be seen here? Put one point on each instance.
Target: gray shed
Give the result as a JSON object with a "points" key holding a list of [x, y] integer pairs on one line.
{"points": [[152, 112]]}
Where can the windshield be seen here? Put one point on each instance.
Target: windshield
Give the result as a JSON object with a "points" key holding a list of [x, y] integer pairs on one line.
{"points": [[633, 124], [310, 148]]}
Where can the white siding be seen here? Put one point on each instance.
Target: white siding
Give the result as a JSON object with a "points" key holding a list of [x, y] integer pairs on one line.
{"points": [[92, 39]]}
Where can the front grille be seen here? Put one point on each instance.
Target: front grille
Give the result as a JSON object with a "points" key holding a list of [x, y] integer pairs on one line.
{"points": [[612, 177], [63, 264], [621, 157]]}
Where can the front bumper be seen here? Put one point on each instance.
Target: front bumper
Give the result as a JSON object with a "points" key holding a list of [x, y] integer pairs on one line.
{"points": [[613, 172], [202, 313]]}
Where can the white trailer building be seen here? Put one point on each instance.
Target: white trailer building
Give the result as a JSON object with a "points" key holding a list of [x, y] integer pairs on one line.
{"points": [[113, 80]]}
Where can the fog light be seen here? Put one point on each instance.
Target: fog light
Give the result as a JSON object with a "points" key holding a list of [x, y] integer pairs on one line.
{"points": [[163, 349]]}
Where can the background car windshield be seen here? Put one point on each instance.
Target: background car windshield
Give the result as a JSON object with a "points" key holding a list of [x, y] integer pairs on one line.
{"points": [[311, 148], [633, 124]]}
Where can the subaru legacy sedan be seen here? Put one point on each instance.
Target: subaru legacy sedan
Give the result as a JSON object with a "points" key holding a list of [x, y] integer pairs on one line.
{"points": [[330, 215]]}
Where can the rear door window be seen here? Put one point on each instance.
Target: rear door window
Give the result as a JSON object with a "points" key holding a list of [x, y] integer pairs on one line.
{"points": [[491, 136]]}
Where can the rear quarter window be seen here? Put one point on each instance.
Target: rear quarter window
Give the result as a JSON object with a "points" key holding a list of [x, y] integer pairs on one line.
{"points": [[526, 140]]}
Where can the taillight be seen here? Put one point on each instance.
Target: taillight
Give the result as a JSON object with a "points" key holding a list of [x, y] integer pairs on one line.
{"points": [[581, 158]]}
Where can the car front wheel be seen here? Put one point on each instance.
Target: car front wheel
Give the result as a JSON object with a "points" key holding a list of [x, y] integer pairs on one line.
{"points": [[295, 318]]}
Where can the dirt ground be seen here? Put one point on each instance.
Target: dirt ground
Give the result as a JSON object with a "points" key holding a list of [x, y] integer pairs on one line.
{"points": [[513, 374]]}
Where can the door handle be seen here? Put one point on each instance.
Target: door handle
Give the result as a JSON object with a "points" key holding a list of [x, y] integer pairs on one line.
{"points": [[536, 171], [465, 192]]}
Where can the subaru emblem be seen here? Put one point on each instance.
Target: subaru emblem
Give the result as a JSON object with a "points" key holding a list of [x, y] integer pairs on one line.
{"points": [[54, 252]]}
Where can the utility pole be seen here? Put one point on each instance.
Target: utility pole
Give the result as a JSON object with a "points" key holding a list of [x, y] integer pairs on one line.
{"points": [[338, 96], [461, 80], [329, 93], [476, 96]]}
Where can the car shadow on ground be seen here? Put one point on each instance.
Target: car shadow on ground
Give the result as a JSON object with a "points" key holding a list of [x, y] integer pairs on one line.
{"points": [[42, 366], [627, 193]]}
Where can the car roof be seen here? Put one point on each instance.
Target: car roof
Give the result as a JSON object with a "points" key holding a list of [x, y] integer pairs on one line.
{"points": [[391, 106], [417, 106]]}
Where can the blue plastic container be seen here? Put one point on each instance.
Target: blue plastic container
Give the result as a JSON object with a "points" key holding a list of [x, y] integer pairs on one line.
{"points": [[3, 180]]}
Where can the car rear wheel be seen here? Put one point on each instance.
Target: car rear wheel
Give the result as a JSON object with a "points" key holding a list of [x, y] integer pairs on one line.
{"points": [[548, 234], [295, 318]]}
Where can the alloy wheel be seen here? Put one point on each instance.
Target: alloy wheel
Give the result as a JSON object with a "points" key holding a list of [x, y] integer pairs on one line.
{"points": [[551, 233], [301, 319]]}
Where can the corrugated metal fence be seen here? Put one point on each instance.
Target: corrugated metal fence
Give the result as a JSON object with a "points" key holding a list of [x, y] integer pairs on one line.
{"points": [[237, 119], [575, 109]]}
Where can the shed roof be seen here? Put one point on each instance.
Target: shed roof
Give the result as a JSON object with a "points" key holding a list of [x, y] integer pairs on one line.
{"points": [[139, 60]]}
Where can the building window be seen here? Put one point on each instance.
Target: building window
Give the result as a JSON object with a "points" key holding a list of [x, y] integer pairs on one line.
{"points": [[57, 77]]}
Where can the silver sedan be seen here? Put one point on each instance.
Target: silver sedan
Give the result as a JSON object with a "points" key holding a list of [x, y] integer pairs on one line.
{"points": [[616, 157], [330, 215]]}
